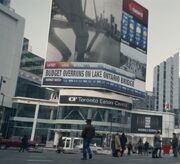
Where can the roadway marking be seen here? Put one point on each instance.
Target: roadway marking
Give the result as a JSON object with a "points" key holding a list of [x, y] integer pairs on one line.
{"points": [[39, 160], [39, 156], [136, 159]]}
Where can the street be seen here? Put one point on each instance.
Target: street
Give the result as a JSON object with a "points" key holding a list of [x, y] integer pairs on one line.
{"points": [[14, 157]]}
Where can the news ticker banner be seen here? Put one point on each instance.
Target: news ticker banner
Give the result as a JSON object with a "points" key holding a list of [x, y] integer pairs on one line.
{"points": [[90, 75]]}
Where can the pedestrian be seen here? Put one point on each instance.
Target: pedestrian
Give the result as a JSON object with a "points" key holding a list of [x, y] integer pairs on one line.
{"points": [[140, 146], [146, 148], [60, 145], [87, 134], [129, 146], [123, 140], [117, 145], [24, 144], [175, 144], [179, 149], [157, 146]]}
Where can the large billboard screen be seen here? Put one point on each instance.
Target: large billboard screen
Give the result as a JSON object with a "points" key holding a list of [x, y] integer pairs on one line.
{"points": [[85, 50], [147, 124], [134, 30]]}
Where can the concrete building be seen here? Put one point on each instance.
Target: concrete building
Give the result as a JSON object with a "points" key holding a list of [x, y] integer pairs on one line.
{"points": [[11, 34]]}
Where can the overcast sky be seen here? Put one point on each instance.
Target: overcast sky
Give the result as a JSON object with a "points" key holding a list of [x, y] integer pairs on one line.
{"points": [[163, 29]]}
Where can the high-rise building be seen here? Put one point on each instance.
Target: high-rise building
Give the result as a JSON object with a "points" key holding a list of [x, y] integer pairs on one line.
{"points": [[166, 84], [166, 87]]}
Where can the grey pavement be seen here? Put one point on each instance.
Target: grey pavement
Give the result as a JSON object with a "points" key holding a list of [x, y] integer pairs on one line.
{"points": [[51, 157]]}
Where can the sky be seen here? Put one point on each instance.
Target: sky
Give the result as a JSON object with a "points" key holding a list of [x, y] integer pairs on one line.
{"points": [[163, 29]]}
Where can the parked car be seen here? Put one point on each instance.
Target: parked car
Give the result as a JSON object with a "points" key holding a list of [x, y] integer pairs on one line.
{"points": [[73, 145], [13, 142], [94, 148]]}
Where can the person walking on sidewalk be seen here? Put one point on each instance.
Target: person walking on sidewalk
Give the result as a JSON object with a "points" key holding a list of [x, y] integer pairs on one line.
{"points": [[146, 148], [24, 144], [157, 146], [129, 146], [60, 145], [87, 134], [117, 145], [123, 140], [175, 144], [140, 146]]}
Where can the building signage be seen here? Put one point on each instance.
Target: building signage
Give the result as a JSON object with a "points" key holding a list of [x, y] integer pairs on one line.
{"points": [[146, 123], [94, 101], [91, 75]]}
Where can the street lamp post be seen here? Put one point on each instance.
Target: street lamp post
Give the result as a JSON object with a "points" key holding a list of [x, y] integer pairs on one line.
{"points": [[110, 137], [2, 81], [112, 118], [2, 101], [3, 110]]}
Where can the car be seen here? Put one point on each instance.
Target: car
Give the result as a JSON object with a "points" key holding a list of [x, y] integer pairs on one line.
{"points": [[3, 143], [14, 142], [94, 148], [73, 145]]}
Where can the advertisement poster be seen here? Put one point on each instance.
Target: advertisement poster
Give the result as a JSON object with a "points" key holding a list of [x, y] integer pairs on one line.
{"points": [[86, 35], [147, 124]]}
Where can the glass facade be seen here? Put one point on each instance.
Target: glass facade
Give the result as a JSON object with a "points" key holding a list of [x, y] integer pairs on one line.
{"points": [[27, 88], [5, 2], [66, 119], [146, 103], [25, 110], [29, 80], [32, 64], [5, 124], [70, 120], [97, 114]]}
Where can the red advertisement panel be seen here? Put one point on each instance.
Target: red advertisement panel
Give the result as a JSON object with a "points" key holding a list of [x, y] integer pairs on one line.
{"points": [[136, 10]]}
